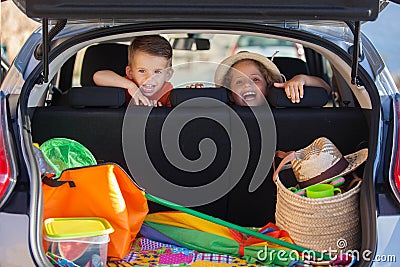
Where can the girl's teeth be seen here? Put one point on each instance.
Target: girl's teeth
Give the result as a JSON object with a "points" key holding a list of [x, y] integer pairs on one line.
{"points": [[249, 95]]}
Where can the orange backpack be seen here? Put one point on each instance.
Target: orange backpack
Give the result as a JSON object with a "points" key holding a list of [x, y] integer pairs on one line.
{"points": [[99, 191]]}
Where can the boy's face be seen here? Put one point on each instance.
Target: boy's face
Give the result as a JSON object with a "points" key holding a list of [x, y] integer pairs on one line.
{"points": [[248, 85], [149, 72]]}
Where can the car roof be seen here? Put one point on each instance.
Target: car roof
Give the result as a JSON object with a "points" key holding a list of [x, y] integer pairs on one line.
{"points": [[239, 10]]}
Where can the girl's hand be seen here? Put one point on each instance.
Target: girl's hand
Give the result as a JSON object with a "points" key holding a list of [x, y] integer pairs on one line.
{"points": [[293, 88]]}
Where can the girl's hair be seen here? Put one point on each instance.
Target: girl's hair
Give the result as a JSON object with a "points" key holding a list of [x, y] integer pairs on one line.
{"points": [[269, 78], [152, 44]]}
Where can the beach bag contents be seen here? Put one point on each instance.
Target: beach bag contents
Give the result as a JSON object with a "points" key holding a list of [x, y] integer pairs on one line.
{"points": [[104, 191], [318, 214], [64, 153]]}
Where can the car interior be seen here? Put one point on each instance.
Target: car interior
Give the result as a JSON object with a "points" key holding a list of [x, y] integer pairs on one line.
{"points": [[69, 108]]}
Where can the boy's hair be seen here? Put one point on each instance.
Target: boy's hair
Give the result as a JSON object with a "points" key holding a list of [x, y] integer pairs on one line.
{"points": [[266, 74], [152, 44]]}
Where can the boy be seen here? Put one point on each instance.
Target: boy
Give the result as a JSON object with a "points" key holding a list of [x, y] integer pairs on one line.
{"points": [[147, 74]]}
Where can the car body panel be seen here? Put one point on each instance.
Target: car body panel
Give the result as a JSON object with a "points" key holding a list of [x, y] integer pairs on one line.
{"points": [[253, 10], [14, 241], [388, 247]]}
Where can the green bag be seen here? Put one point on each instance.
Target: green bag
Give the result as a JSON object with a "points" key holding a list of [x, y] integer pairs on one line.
{"points": [[64, 153]]}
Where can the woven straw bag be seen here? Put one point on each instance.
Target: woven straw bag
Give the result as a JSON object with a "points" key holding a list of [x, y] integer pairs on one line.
{"points": [[330, 224]]}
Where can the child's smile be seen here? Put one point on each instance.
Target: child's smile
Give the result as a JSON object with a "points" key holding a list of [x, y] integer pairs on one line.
{"points": [[249, 96], [148, 89]]}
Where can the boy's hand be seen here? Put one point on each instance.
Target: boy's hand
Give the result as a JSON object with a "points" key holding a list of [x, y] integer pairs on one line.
{"points": [[195, 85], [293, 88], [138, 98], [155, 103]]}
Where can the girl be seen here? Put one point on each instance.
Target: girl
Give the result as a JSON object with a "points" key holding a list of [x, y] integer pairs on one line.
{"points": [[249, 76]]}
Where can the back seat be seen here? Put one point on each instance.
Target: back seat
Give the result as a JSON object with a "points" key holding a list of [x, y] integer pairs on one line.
{"points": [[99, 128], [291, 66], [107, 56], [94, 117]]}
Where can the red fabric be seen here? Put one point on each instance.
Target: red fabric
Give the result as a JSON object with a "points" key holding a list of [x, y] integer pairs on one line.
{"points": [[244, 240], [162, 95]]}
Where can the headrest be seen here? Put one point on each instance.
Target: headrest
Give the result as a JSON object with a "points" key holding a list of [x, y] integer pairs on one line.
{"points": [[291, 66], [180, 95], [81, 97], [103, 57], [313, 97]]}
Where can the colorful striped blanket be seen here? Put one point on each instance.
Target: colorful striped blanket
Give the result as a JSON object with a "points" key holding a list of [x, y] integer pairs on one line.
{"points": [[146, 252]]}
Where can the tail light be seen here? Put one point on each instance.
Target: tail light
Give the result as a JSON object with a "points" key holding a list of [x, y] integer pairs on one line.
{"points": [[7, 181], [396, 172]]}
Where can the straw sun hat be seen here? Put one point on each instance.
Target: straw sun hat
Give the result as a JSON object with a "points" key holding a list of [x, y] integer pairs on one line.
{"points": [[321, 161], [227, 63]]}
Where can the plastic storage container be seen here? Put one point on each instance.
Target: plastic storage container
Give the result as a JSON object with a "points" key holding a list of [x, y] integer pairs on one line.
{"points": [[83, 241]]}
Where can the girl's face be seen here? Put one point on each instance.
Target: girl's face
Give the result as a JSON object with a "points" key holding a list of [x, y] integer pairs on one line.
{"points": [[248, 85]]}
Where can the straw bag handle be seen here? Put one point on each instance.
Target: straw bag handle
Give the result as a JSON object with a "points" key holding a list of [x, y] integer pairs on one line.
{"points": [[287, 157], [355, 180]]}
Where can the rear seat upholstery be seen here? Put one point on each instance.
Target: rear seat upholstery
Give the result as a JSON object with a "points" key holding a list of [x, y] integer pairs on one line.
{"points": [[103, 57], [98, 126], [100, 130], [291, 66]]}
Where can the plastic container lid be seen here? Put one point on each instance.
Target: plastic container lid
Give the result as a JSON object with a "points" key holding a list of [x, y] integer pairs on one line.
{"points": [[76, 227]]}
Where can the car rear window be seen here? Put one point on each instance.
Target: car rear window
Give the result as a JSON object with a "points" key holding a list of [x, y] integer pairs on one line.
{"points": [[261, 41]]}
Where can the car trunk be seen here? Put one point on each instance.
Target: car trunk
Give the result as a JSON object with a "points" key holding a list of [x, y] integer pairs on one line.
{"points": [[348, 128], [101, 131], [239, 206], [104, 138]]}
